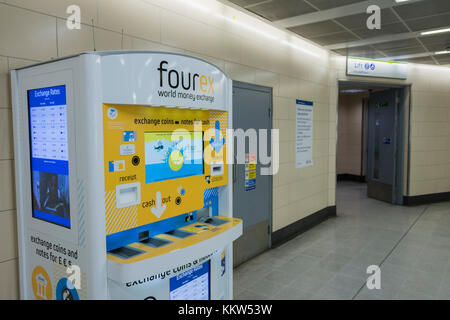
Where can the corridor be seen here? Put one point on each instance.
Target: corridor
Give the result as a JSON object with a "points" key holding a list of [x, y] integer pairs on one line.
{"points": [[410, 244]]}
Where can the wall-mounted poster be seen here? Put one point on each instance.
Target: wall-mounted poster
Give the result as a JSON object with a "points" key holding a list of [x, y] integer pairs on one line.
{"points": [[304, 134]]}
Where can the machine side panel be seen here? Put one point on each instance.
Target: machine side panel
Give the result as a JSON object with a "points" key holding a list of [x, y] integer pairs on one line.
{"points": [[90, 181]]}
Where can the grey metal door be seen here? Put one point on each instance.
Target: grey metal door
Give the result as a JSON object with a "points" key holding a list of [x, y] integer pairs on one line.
{"points": [[382, 144], [252, 109]]}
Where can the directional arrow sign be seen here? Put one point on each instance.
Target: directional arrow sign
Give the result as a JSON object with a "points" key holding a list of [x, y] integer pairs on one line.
{"points": [[158, 210], [216, 142]]}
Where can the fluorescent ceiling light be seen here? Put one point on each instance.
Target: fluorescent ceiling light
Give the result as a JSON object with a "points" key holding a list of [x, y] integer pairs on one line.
{"points": [[425, 33], [442, 52], [400, 1]]}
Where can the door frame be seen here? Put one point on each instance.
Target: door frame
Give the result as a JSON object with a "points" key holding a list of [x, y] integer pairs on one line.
{"points": [[255, 87], [402, 133]]}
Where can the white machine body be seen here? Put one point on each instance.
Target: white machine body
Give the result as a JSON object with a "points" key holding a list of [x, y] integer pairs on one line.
{"points": [[70, 244]]}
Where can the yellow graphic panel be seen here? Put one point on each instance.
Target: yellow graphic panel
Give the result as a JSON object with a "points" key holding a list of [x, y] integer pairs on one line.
{"points": [[159, 161]]}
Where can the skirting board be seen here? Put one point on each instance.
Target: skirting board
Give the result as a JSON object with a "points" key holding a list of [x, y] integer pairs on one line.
{"points": [[426, 198], [350, 177], [294, 229]]}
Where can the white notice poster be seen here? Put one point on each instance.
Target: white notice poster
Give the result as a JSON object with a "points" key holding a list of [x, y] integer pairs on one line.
{"points": [[304, 134]]}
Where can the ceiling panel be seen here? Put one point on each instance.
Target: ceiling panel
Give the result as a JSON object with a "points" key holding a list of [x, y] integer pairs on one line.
{"points": [[418, 16], [317, 29], [281, 9], [423, 8], [436, 42], [342, 52], [363, 51], [437, 46], [433, 22], [443, 59], [334, 38], [426, 60], [407, 43], [404, 51], [328, 4], [385, 30]]}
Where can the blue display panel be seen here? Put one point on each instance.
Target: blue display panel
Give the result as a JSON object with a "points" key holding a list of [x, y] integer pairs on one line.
{"points": [[171, 155], [192, 284], [49, 154]]}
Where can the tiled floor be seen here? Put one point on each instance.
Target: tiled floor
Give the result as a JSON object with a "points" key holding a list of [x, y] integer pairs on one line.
{"points": [[410, 244]]}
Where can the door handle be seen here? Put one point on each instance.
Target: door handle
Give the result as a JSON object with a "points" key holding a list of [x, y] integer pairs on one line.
{"points": [[234, 170]]}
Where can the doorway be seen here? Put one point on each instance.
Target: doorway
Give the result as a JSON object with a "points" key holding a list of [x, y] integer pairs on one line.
{"points": [[372, 138], [252, 192]]}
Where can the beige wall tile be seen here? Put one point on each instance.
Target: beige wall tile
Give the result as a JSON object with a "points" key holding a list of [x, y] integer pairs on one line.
{"points": [[27, 34], [280, 218], [258, 53], [280, 108], [280, 196], [59, 8], [6, 134], [245, 57], [141, 44], [9, 280], [15, 63], [286, 151], [5, 89], [289, 87], [108, 40], [240, 72], [215, 61], [268, 79], [331, 197], [8, 235], [7, 199], [74, 41], [134, 17], [182, 32]]}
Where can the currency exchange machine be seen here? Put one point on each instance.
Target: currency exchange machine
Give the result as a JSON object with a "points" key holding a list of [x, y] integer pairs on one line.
{"points": [[122, 180]]}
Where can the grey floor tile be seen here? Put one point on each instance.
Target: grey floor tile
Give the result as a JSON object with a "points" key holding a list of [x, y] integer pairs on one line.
{"points": [[250, 295], [331, 293], [345, 282], [281, 278], [410, 244], [317, 251], [292, 293], [312, 283], [333, 262], [267, 288]]}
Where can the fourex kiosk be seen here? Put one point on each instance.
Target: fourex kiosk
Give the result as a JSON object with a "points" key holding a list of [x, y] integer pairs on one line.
{"points": [[123, 184]]}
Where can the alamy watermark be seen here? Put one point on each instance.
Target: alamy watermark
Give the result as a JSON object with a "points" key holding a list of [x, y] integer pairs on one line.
{"points": [[374, 280]]}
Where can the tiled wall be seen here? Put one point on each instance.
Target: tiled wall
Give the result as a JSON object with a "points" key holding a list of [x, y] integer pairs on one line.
{"points": [[34, 30], [349, 144]]}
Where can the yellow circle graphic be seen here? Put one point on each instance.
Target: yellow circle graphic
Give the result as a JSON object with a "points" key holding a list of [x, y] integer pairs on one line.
{"points": [[42, 286], [176, 160]]}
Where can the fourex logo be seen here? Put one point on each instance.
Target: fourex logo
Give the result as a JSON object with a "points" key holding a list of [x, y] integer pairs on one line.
{"points": [[188, 81]]}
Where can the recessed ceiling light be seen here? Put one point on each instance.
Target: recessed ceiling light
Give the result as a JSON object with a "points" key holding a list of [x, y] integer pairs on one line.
{"points": [[425, 33]]}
